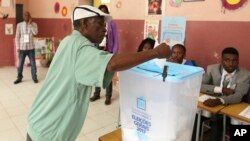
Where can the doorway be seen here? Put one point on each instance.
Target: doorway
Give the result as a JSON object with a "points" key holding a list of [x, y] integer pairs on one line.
{"points": [[19, 13]]}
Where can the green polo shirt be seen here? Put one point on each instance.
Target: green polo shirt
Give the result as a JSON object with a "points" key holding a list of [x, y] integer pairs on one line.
{"points": [[60, 108]]}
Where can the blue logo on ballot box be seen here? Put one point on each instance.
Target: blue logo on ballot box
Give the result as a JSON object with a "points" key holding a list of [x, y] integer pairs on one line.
{"points": [[141, 119], [141, 103]]}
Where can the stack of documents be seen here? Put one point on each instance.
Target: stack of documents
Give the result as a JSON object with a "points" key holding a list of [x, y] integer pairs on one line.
{"points": [[205, 97], [246, 112]]}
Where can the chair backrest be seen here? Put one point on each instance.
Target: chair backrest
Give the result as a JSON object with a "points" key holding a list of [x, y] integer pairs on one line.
{"points": [[194, 63], [246, 98]]}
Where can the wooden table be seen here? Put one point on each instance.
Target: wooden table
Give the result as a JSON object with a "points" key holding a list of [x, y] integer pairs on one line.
{"points": [[210, 109], [201, 107], [115, 135], [234, 111]]}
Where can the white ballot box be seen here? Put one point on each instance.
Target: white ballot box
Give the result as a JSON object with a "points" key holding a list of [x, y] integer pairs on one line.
{"points": [[153, 110]]}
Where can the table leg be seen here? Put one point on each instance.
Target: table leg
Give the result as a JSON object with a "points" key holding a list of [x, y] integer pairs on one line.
{"points": [[224, 127], [119, 119], [198, 125]]}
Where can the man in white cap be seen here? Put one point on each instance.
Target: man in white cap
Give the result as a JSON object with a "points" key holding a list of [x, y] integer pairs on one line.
{"points": [[60, 108]]}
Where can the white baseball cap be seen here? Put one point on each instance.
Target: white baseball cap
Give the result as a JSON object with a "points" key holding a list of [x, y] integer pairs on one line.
{"points": [[86, 11]]}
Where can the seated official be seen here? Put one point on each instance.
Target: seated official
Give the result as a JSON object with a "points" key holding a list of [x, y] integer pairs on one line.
{"points": [[146, 44], [178, 54], [228, 82]]}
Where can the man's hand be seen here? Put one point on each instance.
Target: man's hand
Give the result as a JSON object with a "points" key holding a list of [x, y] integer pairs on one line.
{"points": [[227, 91], [171, 59], [212, 102], [163, 50], [30, 20]]}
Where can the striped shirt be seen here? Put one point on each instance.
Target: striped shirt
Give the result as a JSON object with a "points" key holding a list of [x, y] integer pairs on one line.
{"points": [[24, 35]]}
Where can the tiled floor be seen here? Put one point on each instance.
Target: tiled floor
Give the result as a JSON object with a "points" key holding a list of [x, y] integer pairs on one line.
{"points": [[15, 101]]}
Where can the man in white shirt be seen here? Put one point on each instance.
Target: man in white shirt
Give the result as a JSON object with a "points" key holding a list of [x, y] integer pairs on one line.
{"points": [[25, 46]]}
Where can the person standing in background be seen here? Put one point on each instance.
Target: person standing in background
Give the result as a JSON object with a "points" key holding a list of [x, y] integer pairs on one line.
{"points": [[25, 46], [110, 44]]}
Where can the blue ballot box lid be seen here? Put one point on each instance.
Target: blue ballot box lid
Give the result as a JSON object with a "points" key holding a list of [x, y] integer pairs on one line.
{"points": [[175, 72]]}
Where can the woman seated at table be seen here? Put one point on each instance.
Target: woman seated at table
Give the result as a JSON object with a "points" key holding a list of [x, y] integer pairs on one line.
{"points": [[146, 44]]}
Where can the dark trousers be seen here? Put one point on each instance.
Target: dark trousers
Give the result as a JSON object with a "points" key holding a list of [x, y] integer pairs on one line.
{"points": [[28, 138], [108, 90], [22, 55], [216, 127]]}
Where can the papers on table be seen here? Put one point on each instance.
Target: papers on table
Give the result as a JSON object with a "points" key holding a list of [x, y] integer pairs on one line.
{"points": [[245, 112], [205, 97]]}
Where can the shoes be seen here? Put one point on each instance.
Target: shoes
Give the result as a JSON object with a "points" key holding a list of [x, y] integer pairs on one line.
{"points": [[108, 101], [17, 81], [94, 98], [35, 81], [20, 80]]}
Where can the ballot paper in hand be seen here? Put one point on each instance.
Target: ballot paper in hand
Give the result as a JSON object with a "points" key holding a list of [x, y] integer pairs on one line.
{"points": [[246, 112], [205, 97]]}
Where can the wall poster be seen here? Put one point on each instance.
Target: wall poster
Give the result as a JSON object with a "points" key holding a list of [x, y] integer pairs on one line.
{"points": [[173, 30], [155, 7]]}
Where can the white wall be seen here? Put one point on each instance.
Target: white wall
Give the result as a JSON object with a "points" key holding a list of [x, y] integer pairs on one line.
{"points": [[45, 8], [208, 10]]}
